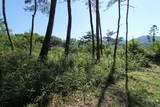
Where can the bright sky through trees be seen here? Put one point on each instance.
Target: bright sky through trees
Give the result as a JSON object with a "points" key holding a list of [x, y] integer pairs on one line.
{"points": [[141, 18]]}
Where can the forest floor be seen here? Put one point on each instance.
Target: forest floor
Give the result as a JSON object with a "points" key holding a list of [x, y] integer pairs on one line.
{"points": [[144, 87]]}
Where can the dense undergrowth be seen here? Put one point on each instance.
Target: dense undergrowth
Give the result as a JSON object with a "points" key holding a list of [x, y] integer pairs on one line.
{"points": [[27, 81]]}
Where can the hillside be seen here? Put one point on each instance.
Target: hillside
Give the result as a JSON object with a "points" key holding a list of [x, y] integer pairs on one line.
{"points": [[144, 92], [70, 53], [144, 40], [77, 80]]}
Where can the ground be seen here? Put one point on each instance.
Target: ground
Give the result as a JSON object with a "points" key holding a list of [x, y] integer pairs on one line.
{"points": [[143, 85]]}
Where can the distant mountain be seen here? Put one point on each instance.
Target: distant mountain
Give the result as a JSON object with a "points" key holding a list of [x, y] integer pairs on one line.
{"points": [[144, 40]]}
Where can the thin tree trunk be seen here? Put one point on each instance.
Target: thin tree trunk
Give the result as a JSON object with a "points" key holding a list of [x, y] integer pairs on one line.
{"points": [[45, 47], [92, 29], [117, 36], [109, 79], [6, 25], [0, 75], [32, 27], [154, 36], [68, 37], [97, 29], [126, 65], [100, 29]]}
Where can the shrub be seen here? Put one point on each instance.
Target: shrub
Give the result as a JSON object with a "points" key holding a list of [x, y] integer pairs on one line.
{"points": [[155, 48], [26, 82], [108, 50], [10, 61], [137, 61], [136, 48], [30, 78]]}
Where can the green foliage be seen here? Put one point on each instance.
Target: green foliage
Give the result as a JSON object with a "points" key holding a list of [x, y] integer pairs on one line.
{"points": [[2, 27], [11, 61], [152, 33], [135, 47], [22, 41], [86, 38], [155, 48], [23, 83], [42, 6], [4, 45], [137, 61], [144, 88], [55, 41], [108, 50], [25, 80], [85, 48]]}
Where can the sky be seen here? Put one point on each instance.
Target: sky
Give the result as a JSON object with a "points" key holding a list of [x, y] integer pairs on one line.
{"points": [[141, 18]]}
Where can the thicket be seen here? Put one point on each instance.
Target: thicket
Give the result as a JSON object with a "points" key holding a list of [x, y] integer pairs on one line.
{"points": [[25, 79]]}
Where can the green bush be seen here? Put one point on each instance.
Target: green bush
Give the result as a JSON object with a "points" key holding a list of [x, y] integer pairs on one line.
{"points": [[155, 48], [136, 48], [10, 61], [137, 61], [4, 43], [21, 86], [24, 78], [108, 50]]}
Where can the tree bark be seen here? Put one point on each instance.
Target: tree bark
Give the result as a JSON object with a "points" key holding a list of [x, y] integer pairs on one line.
{"points": [[32, 27], [100, 29], [92, 29], [109, 79], [126, 65], [68, 37], [6, 25], [97, 29], [45, 47], [117, 36]]}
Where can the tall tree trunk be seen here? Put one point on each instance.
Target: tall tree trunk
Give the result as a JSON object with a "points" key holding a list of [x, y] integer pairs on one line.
{"points": [[117, 36], [0, 76], [126, 65], [97, 29], [32, 27], [68, 37], [6, 25], [109, 79], [45, 47], [100, 29], [92, 29]]}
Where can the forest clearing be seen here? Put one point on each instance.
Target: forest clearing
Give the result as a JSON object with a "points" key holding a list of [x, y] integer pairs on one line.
{"points": [[98, 69]]}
